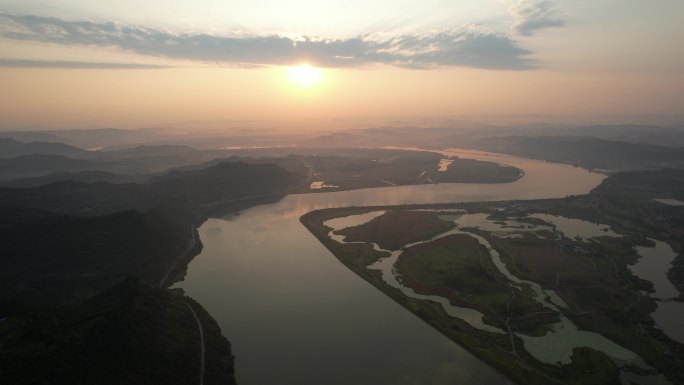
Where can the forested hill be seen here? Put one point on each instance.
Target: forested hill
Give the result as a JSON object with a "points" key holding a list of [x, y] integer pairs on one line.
{"points": [[198, 191], [68, 312], [65, 260], [133, 333]]}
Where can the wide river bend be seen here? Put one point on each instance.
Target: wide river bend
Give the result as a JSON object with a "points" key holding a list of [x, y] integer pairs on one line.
{"points": [[296, 316]]}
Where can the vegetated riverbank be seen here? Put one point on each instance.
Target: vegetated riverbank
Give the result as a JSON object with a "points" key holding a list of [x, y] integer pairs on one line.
{"points": [[621, 318], [400, 167], [68, 247], [70, 315], [494, 349]]}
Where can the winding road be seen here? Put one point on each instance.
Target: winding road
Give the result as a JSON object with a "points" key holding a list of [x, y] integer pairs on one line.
{"points": [[201, 334]]}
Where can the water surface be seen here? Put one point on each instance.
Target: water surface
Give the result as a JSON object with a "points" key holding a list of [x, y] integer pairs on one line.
{"points": [[296, 315], [654, 265]]}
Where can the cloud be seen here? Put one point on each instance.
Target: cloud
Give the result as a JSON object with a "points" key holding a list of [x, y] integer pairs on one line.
{"points": [[18, 63], [533, 15], [465, 48]]}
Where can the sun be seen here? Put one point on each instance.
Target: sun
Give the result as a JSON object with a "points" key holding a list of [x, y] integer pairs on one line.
{"points": [[305, 75]]}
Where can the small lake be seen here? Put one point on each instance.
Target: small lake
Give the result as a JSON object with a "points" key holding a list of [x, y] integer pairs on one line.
{"points": [[654, 264], [296, 315]]}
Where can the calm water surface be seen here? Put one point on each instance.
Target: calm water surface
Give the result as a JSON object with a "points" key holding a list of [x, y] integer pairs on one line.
{"points": [[296, 315], [654, 265]]}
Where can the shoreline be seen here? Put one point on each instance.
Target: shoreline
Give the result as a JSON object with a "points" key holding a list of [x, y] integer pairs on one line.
{"points": [[314, 220]]}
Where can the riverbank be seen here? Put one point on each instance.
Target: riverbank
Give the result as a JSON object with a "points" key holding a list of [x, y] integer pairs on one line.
{"points": [[602, 317], [489, 347]]}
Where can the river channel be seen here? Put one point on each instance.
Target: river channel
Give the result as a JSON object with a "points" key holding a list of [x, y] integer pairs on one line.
{"points": [[296, 315]]}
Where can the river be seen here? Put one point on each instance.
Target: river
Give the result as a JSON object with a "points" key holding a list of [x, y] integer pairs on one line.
{"points": [[296, 315]]}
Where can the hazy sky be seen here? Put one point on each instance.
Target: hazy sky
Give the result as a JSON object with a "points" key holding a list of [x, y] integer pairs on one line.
{"points": [[140, 63]]}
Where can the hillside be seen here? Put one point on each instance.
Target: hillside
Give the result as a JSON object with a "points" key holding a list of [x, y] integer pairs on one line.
{"points": [[224, 182], [69, 315], [64, 260], [83, 300], [79, 176], [132, 333], [199, 191], [592, 153]]}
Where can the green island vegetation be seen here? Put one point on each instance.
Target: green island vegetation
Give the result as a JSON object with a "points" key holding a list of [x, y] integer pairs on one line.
{"points": [[589, 277], [356, 169], [390, 231]]}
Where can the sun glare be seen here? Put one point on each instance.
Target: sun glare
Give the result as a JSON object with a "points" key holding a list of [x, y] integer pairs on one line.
{"points": [[305, 75]]}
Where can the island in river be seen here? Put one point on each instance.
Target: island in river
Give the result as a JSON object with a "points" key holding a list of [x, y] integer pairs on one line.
{"points": [[367, 168], [546, 291]]}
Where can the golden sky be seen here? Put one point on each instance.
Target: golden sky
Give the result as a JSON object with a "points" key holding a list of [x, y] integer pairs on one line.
{"points": [[130, 64]]}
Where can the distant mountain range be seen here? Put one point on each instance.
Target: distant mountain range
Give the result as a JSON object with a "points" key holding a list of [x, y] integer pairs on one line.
{"points": [[590, 153], [42, 164], [78, 176], [10, 148], [467, 137], [41, 159], [89, 138], [637, 134]]}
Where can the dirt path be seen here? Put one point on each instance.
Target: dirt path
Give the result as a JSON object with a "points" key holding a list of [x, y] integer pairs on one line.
{"points": [[201, 334]]}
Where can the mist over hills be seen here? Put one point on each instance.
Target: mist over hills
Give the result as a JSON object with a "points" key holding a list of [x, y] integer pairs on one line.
{"points": [[10, 148], [88, 138], [40, 164], [79, 176], [40, 159], [654, 135], [402, 132]]}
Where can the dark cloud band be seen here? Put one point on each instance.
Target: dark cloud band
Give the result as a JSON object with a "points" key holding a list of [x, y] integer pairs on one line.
{"points": [[442, 49], [14, 63]]}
